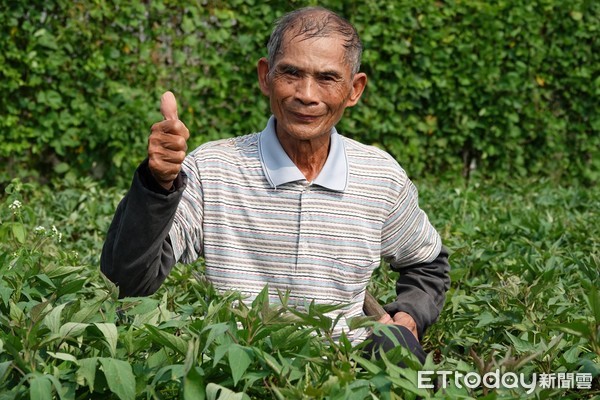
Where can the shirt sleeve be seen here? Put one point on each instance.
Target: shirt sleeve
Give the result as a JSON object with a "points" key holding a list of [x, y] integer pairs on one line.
{"points": [[137, 254], [408, 237], [414, 249], [421, 291]]}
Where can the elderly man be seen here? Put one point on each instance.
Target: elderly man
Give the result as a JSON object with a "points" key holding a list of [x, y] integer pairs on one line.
{"points": [[297, 206]]}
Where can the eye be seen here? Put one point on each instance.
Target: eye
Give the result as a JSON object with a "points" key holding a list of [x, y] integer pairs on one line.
{"points": [[328, 78]]}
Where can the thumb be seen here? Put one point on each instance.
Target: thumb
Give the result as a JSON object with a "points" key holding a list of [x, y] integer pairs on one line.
{"points": [[168, 106]]}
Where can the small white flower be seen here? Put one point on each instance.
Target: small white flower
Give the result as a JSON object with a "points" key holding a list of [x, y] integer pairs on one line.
{"points": [[15, 205], [56, 233], [39, 230]]}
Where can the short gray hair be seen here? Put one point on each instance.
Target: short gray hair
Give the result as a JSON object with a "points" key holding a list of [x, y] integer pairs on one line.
{"points": [[316, 22]]}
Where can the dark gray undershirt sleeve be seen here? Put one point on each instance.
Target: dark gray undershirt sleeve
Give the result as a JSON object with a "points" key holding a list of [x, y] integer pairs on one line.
{"points": [[137, 254], [421, 290]]}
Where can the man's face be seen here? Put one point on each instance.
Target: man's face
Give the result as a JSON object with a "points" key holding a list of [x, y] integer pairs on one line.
{"points": [[309, 86]]}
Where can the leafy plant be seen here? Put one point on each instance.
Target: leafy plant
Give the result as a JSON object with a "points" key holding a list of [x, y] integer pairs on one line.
{"points": [[524, 299], [506, 87]]}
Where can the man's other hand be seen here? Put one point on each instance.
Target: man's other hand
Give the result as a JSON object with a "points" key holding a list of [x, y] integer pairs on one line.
{"points": [[403, 319], [167, 144]]}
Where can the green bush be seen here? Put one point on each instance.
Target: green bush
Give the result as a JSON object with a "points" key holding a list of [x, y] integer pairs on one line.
{"points": [[506, 87]]}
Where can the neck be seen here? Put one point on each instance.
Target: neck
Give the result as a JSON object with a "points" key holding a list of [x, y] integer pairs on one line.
{"points": [[308, 155]]}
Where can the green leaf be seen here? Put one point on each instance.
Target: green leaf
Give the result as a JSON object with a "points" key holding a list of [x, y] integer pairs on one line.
{"points": [[575, 328], [590, 367], [5, 293], [119, 377], [112, 288], [61, 168], [52, 319], [593, 299], [218, 392], [87, 371], [193, 385], [73, 329], [173, 372], [71, 287], [4, 366], [271, 362], [63, 356], [38, 310], [166, 339], [368, 365], [109, 330], [144, 305], [56, 271], [16, 314], [382, 384], [521, 346], [216, 330], [89, 311], [485, 319], [576, 15], [18, 231], [44, 278], [239, 361], [40, 388], [219, 352]]}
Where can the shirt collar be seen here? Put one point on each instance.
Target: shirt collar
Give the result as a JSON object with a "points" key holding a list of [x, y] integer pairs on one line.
{"points": [[280, 169]]}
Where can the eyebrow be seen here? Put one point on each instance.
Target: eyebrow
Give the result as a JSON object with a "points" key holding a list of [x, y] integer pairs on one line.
{"points": [[287, 68]]}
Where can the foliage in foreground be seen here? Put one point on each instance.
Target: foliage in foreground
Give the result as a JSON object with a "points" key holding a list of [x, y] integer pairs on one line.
{"points": [[524, 298]]}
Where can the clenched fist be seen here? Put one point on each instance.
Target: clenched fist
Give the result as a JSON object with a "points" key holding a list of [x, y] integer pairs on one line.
{"points": [[167, 143], [403, 319]]}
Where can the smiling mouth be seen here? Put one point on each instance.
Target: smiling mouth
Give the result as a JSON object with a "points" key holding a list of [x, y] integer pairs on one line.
{"points": [[305, 117]]}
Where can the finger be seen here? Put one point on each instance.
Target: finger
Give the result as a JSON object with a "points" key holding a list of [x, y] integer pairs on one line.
{"points": [[165, 166], [385, 319], [171, 127], [165, 152], [167, 141], [403, 318], [176, 145], [407, 321], [168, 106]]}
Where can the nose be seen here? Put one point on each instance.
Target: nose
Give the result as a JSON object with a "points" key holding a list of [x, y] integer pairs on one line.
{"points": [[306, 91]]}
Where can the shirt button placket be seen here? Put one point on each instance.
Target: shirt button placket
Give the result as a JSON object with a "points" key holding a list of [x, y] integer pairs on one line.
{"points": [[303, 242]]}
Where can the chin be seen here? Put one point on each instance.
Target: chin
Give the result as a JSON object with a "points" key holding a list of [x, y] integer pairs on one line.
{"points": [[305, 132]]}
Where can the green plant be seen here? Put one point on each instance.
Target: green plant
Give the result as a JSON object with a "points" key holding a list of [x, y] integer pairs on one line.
{"points": [[507, 88], [524, 299]]}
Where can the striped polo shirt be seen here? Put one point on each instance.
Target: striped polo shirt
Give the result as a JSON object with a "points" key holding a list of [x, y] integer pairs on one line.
{"points": [[250, 212]]}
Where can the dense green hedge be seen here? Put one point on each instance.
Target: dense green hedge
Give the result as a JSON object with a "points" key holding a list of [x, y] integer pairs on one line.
{"points": [[506, 87]]}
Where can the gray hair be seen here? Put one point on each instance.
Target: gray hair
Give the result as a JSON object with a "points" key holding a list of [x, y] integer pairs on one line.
{"points": [[312, 22]]}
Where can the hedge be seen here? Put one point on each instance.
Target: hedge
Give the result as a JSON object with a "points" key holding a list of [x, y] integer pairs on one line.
{"points": [[508, 87]]}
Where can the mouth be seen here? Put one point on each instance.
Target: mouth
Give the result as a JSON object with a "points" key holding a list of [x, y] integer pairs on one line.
{"points": [[305, 117]]}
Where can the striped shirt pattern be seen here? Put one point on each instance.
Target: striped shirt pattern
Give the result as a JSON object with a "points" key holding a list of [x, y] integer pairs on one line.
{"points": [[320, 241]]}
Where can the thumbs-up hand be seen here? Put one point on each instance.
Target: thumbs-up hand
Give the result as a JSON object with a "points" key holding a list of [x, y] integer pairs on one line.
{"points": [[167, 143]]}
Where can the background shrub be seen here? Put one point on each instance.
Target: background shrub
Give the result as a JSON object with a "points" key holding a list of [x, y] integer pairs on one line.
{"points": [[507, 87]]}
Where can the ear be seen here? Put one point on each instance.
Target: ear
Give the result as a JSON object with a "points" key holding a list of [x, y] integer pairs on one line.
{"points": [[359, 82], [263, 71]]}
